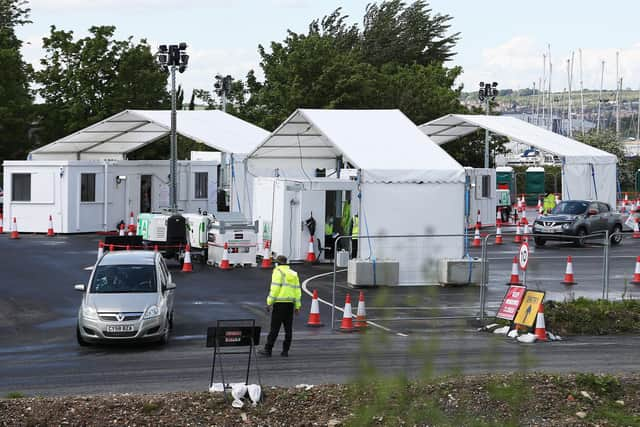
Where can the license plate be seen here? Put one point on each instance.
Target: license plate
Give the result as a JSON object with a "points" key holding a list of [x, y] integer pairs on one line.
{"points": [[120, 328]]}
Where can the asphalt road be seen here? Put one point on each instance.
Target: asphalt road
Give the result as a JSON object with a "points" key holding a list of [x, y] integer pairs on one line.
{"points": [[39, 356]]}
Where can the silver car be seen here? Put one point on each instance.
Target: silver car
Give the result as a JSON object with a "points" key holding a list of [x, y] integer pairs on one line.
{"points": [[129, 298]]}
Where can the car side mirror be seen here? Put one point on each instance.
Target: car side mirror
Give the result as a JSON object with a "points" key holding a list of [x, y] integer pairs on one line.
{"points": [[592, 212], [80, 287], [170, 286]]}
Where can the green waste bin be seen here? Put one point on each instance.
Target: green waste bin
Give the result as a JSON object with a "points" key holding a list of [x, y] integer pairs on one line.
{"points": [[534, 185]]}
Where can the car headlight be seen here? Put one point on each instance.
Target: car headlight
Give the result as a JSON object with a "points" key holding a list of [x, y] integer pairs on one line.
{"points": [[566, 226], [536, 226], [89, 312], [152, 312]]}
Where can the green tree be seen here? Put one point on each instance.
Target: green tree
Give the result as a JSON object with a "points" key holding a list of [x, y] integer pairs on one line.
{"points": [[15, 96], [85, 80], [395, 61]]}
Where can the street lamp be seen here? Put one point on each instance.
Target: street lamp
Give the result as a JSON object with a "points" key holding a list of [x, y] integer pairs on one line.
{"points": [[222, 87], [169, 58], [486, 94]]}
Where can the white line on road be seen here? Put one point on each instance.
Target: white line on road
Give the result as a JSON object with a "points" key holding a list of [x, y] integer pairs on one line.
{"points": [[304, 287]]}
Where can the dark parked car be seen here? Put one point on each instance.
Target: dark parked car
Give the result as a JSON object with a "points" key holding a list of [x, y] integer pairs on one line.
{"points": [[572, 220]]}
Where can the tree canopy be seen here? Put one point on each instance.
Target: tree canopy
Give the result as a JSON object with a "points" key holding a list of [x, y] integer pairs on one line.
{"points": [[83, 81], [396, 60], [15, 96]]}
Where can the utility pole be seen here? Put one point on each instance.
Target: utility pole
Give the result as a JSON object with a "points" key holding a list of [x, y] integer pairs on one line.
{"points": [[170, 58], [486, 94]]}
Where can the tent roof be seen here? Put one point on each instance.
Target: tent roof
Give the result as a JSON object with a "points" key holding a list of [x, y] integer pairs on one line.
{"points": [[130, 130], [454, 126], [368, 139]]}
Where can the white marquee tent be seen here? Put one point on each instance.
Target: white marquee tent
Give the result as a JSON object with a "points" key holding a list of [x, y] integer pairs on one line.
{"points": [[409, 185], [587, 173]]}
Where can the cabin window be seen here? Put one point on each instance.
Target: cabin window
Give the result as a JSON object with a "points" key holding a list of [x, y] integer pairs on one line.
{"points": [[21, 187], [88, 187], [201, 186]]}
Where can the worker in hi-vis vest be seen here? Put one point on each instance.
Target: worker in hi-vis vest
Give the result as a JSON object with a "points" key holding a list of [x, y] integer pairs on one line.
{"points": [[284, 299], [549, 203], [355, 232], [329, 238]]}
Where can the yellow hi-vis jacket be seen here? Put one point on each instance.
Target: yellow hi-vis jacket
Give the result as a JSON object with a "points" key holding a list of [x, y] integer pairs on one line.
{"points": [[285, 287], [549, 203], [355, 231]]}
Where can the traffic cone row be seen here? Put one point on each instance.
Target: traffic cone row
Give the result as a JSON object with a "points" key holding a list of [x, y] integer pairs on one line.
{"points": [[266, 258], [187, 267], [515, 275], [314, 314], [50, 232], [540, 331], [311, 253], [224, 263], [477, 242], [14, 229], [347, 324], [499, 233], [636, 229], [636, 273], [568, 275]]}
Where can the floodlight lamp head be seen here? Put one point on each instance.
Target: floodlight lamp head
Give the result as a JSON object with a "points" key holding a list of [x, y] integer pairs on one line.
{"points": [[184, 59], [481, 84], [182, 46], [163, 48], [162, 58], [182, 68], [494, 84]]}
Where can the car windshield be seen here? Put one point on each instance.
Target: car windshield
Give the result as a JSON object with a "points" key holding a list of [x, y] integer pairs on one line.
{"points": [[571, 208], [115, 279]]}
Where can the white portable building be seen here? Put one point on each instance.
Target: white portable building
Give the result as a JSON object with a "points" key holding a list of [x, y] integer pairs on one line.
{"points": [[85, 182], [587, 172], [404, 183]]}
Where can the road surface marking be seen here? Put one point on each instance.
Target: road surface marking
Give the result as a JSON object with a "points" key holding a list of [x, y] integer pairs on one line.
{"points": [[304, 287]]}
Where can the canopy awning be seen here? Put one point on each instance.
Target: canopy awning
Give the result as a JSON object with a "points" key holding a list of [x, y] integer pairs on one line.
{"points": [[131, 130], [384, 143], [454, 126]]}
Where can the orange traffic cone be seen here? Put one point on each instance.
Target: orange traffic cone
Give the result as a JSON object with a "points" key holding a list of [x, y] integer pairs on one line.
{"points": [[121, 231], [224, 263], [568, 275], [347, 318], [1, 223], [311, 253], [361, 314], [540, 209], [14, 229], [314, 315], [636, 273], [525, 231], [128, 248], [540, 331], [50, 232], [476, 238], [636, 229], [266, 258], [499, 233], [478, 220], [518, 237], [515, 275], [186, 265], [155, 248], [100, 249], [132, 225], [111, 247], [498, 215]]}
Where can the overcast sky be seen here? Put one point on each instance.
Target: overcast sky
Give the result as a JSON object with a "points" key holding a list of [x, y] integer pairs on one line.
{"points": [[502, 40]]}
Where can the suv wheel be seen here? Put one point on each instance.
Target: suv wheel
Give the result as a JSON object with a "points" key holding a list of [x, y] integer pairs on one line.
{"points": [[580, 237], [616, 239], [164, 339], [540, 242]]}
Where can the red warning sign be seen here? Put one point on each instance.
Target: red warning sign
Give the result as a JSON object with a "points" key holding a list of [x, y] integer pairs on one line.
{"points": [[511, 302]]}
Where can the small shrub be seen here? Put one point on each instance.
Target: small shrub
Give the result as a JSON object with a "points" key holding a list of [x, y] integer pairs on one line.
{"points": [[605, 385], [149, 407], [15, 395], [593, 317]]}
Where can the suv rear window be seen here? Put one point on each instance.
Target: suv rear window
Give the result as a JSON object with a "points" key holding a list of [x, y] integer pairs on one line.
{"points": [[116, 279]]}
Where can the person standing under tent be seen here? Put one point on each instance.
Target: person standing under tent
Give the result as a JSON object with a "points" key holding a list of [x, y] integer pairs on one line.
{"points": [[284, 299], [355, 233]]}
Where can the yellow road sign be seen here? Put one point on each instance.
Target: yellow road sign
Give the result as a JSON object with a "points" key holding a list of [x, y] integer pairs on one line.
{"points": [[529, 308]]}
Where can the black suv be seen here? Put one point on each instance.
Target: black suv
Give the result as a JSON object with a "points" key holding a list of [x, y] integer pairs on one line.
{"points": [[572, 220]]}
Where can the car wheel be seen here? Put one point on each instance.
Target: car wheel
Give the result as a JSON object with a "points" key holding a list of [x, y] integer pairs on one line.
{"points": [[81, 341], [164, 339], [171, 321], [580, 237], [539, 242], [616, 239]]}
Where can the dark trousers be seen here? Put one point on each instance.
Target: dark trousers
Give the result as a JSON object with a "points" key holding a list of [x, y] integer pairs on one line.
{"points": [[354, 248], [282, 313]]}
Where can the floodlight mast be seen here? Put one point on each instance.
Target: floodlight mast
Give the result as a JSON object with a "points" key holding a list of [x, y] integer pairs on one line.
{"points": [[487, 93], [170, 58]]}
